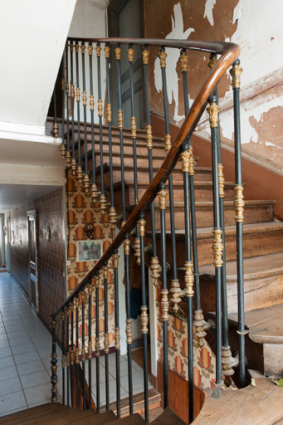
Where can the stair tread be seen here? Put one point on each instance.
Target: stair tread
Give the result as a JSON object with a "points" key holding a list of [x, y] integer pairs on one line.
{"points": [[258, 267], [101, 419], [197, 183], [168, 418], [259, 404], [264, 324], [30, 412], [129, 420], [206, 232]]}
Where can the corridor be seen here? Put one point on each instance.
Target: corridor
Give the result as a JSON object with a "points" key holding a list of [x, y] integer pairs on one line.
{"points": [[25, 354]]}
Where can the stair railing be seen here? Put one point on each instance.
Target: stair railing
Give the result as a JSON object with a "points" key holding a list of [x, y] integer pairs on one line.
{"points": [[87, 291]]}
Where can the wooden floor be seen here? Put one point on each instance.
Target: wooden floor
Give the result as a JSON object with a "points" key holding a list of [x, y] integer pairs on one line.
{"points": [[259, 405], [137, 356]]}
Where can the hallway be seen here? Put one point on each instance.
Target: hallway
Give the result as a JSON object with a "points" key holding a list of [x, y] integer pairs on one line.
{"points": [[25, 356], [25, 352]]}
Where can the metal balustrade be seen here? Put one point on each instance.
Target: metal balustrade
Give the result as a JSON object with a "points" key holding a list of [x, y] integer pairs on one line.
{"points": [[133, 234]]}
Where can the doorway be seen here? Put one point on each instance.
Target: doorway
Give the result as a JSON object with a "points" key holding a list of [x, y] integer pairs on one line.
{"points": [[125, 20], [32, 264], [8, 245]]}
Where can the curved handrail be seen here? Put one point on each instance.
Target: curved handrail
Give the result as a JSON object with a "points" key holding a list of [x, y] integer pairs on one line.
{"points": [[230, 52]]}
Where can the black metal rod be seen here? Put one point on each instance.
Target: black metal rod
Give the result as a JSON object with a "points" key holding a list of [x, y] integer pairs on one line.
{"points": [[129, 324], [72, 357], [164, 288], [239, 238], [189, 298], [68, 357], [63, 98], [133, 128], [106, 341], [90, 344], [144, 318], [77, 353], [92, 114], [63, 354], [97, 352], [55, 125], [72, 92], [170, 180], [67, 92], [117, 331], [100, 118], [78, 103], [225, 327], [109, 119], [83, 348], [84, 105], [216, 210], [150, 163], [54, 377], [192, 198], [120, 123]]}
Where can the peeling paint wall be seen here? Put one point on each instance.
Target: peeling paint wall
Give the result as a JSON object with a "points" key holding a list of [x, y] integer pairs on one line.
{"points": [[254, 25]]}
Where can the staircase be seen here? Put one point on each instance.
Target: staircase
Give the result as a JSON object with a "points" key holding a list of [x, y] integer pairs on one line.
{"points": [[57, 414], [263, 242], [172, 236]]}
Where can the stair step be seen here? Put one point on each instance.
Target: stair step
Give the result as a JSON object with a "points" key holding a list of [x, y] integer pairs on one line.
{"points": [[264, 324], [42, 416], [168, 418], [203, 190], [154, 399], [101, 419], [253, 234], [129, 420], [262, 278], [255, 212], [258, 404], [30, 412]]}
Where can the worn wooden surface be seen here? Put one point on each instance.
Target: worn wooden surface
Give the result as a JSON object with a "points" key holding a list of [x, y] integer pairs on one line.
{"points": [[260, 405]]}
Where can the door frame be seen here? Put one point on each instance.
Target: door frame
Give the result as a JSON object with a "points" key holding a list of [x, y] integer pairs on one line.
{"points": [[31, 216], [8, 245], [113, 9]]}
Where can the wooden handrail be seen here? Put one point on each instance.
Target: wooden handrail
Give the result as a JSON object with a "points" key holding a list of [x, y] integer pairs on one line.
{"points": [[230, 52]]}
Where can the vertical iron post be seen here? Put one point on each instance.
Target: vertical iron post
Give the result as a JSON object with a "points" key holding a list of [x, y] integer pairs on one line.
{"points": [[239, 207]]}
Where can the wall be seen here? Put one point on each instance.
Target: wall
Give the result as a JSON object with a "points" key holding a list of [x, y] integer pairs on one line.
{"points": [[50, 250], [82, 212], [35, 33], [90, 21], [256, 26]]}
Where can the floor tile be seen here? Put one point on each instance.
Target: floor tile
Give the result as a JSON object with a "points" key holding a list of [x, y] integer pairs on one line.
{"points": [[5, 352], [26, 357], [8, 373], [12, 401], [31, 367], [23, 348], [6, 362], [35, 379], [38, 394], [10, 386], [14, 342]]}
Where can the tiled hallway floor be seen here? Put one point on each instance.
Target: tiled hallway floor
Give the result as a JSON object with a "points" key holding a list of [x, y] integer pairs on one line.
{"points": [[25, 351]]}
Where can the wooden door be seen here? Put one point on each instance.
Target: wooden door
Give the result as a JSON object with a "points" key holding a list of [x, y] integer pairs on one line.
{"points": [[32, 268], [125, 20]]}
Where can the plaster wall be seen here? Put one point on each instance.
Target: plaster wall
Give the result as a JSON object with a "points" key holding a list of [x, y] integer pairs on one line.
{"points": [[256, 26], [34, 34], [90, 21]]}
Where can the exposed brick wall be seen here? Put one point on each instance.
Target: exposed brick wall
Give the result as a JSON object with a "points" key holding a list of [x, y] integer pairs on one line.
{"points": [[50, 251]]}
